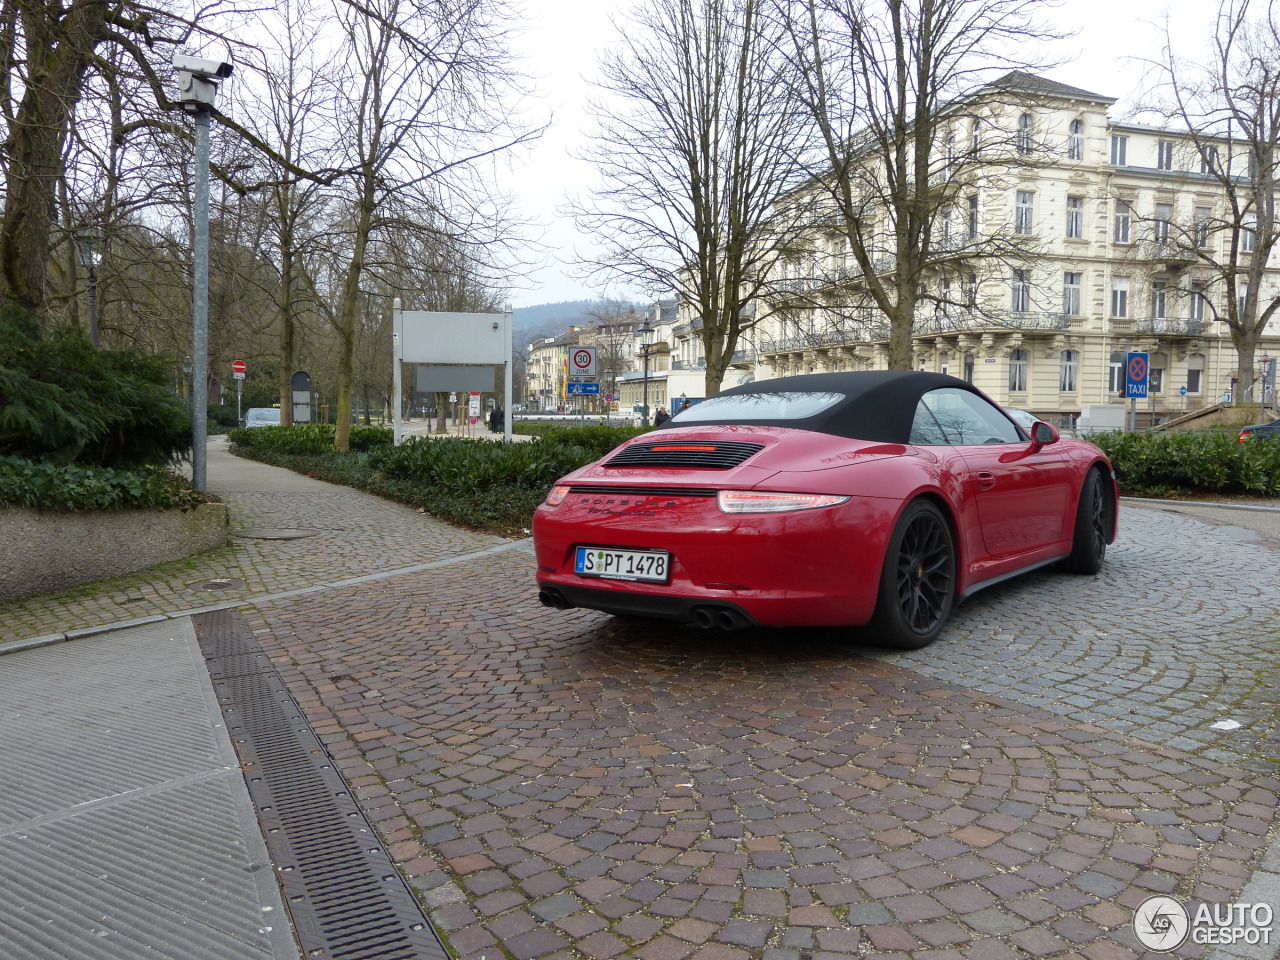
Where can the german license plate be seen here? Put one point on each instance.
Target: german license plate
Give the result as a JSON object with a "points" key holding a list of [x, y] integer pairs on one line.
{"points": [[652, 566]]}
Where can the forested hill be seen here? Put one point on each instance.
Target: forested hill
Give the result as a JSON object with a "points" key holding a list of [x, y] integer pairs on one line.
{"points": [[551, 319]]}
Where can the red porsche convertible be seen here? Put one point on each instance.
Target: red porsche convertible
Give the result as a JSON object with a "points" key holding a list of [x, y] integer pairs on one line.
{"points": [[880, 497]]}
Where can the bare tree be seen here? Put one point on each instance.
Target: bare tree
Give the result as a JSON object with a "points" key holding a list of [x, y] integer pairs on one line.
{"points": [[423, 102], [906, 139], [1229, 101], [704, 145], [613, 330]]}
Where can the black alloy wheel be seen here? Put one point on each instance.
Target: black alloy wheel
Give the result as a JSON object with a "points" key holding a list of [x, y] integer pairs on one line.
{"points": [[917, 587], [1093, 526]]}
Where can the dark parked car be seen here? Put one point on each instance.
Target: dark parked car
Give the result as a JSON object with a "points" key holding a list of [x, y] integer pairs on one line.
{"points": [[261, 417], [1260, 431]]}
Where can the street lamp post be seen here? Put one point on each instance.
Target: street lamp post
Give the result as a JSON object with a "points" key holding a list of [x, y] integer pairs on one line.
{"points": [[646, 340], [87, 242], [198, 80]]}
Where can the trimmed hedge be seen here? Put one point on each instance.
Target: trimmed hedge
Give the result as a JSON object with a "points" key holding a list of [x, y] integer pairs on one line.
{"points": [[307, 439], [68, 487], [1160, 464], [486, 485]]}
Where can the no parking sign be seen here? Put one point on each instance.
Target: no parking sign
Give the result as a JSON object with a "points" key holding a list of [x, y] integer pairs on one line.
{"points": [[1135, 384]]}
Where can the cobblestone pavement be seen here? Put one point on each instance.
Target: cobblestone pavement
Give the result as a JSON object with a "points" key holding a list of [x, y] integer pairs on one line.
{"points": [[340, 533], [569, 785], [574, 786]]}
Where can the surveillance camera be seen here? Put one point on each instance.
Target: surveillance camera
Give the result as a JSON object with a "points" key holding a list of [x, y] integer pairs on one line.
{"points": [[209, 69]]}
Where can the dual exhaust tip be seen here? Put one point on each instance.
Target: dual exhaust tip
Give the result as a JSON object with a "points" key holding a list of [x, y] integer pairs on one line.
{"points": [[707, 617], [719, 618]]}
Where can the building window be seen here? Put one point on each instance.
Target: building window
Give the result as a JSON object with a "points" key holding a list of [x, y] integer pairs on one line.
{"points": [[1119, 150], [973, 216], [1075, 217], [1120, 296], [1124, 221], [1248, 231], [1242, 297], [1069, 371], [1209, 159], [1202, 215], [1071, 294], [1164, 214], [968, 368], [1197, 300], [975, 136], [1023, 212], [1018, 361], [1164, 155], [1075, 141], [1159, 299], [1021, 291], [1195, 374], [1116, 378], [1024, 135], [971, 289]]}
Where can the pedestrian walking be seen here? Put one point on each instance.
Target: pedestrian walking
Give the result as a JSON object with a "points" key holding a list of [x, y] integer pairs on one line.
{"points": [[661, 417]]}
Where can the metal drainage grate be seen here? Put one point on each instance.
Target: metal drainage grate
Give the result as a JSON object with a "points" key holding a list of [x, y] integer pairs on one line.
{"points": [[218, 583], [344, 894]]}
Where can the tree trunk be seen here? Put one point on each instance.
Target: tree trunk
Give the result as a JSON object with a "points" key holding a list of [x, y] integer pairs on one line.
{"points": [[59, 49], [284, 372]]}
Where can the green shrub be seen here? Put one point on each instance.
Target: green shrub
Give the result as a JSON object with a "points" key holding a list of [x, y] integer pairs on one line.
{"points": [[1210, 462], [468, 466], [598, 438], [482, 484], [51, 486], [307, 438], [62, 399]]}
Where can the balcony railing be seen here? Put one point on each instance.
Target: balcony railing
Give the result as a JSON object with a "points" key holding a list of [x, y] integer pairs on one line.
{"points": [[1165, 251], [1175, 326]]}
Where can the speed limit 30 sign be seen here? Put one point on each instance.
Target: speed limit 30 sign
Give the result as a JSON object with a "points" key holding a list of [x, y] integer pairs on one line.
{"points": [[582, 362]]}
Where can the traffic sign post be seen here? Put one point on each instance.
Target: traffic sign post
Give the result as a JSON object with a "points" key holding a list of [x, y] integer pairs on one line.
{"points": [[582, 362], [1135, 385], [238, 369]]}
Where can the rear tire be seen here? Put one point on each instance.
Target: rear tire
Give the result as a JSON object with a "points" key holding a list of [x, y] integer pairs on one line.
{"points": [[917, 585], [1093, 527]]}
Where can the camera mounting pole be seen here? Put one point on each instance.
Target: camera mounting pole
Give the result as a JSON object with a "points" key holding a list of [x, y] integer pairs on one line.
{"points": [[197, 87]]}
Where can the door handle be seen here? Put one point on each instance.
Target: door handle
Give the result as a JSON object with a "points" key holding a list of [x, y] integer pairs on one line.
{"points": [[986, 480]]}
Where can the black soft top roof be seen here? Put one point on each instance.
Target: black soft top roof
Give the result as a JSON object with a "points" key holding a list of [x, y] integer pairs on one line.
{"points": [[878, 405]]}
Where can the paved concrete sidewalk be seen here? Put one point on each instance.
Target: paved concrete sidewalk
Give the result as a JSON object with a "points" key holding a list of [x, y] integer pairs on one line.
{"points": [[125, 824]]}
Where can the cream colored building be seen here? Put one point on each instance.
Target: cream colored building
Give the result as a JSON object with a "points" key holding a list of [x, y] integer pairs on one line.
{"points": [[1103, 212]]}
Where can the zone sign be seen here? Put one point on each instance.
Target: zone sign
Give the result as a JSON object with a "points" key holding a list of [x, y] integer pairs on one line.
{"points": [[582, 362]]}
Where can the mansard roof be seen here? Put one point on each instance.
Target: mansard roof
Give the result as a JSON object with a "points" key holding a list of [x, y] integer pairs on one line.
{"points": [[1024, 82]]}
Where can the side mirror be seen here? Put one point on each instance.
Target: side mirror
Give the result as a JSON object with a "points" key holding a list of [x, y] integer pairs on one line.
{"points": [[1043, 433]]}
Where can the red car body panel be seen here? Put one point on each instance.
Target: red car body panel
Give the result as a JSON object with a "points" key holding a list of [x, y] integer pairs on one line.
{"points": [[818, 566]]}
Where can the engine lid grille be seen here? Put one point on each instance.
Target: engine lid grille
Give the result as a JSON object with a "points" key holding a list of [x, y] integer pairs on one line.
{"points": [[704, 454]]}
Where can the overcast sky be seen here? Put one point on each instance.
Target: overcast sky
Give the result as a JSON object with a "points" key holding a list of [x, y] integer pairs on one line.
{"points": [[563, 40]]}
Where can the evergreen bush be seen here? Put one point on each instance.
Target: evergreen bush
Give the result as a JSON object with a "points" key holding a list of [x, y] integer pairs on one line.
{"points": [[62, 400], [1211, 462]]}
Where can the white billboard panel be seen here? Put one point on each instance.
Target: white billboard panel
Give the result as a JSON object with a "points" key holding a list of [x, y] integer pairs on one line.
{"points": [[429, 337]]}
